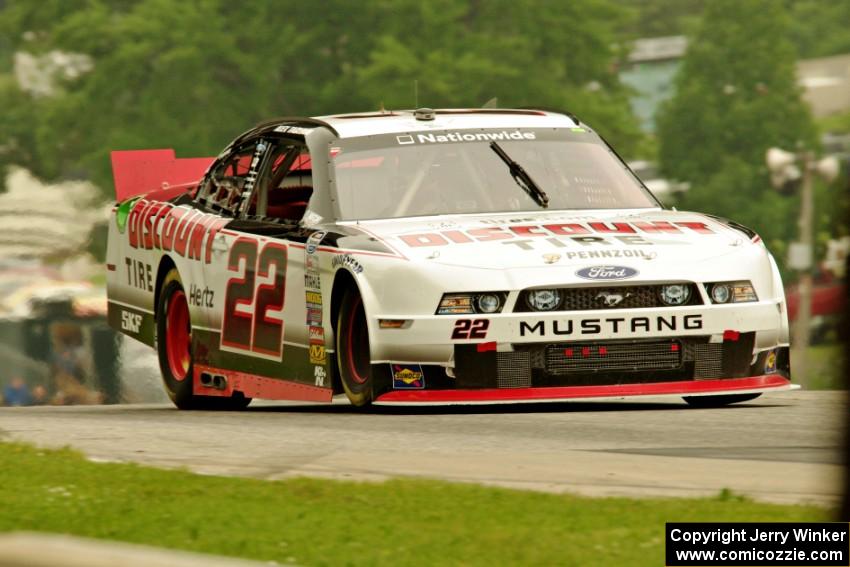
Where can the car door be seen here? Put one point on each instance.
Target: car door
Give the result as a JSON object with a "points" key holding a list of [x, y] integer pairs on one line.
{"points": [[259, 274]]}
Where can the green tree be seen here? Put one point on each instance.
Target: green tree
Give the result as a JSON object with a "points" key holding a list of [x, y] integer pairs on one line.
{"points": [[524, 53], [819, 27], [657, 18], [736, 96], [192, 75]]}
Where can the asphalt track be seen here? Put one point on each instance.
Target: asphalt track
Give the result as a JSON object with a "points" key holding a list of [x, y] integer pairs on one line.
{"points": [[782, 447]]}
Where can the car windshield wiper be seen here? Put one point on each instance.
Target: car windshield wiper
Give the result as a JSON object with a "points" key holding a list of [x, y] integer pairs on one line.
{"points": [[521, 176]]}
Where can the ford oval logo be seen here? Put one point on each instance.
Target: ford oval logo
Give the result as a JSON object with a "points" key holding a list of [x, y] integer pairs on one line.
{"points": [[607, 273]]}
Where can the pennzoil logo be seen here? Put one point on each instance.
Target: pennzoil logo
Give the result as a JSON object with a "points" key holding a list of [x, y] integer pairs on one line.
{"points": [[408, 377], [317, 354]]}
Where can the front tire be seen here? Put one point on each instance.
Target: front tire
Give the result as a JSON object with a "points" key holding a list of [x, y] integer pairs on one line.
{"points": [[352, 350], [718, 401], [174, 348]]}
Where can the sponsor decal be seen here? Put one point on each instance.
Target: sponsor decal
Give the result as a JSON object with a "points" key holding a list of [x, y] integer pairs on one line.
{"points": [[294, 130], [314, 240], [139, 274], [312, 281], [130, 322], [314, 316], [612, 298], [311, 262], [455, 137], [253, 172], [156, 225], [319, 375], [347, 260], [770, 363], [123, 213], [588, 232], [314, 306], [317, 354], [607, 273], [551, 258], [200, 297], [609, 325], [407, 377], [643, 254]]}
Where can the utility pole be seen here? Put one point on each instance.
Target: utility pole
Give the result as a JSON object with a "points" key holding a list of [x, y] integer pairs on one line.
{"points": [[783, 170], [802, 326]]}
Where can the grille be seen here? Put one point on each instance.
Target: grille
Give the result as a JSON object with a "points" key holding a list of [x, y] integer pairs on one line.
{"points": [[588, 298], [513, 369], [605, 357], [708, 359]]}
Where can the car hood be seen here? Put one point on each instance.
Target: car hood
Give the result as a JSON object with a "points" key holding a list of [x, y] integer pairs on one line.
{"points": [[528, 240]]}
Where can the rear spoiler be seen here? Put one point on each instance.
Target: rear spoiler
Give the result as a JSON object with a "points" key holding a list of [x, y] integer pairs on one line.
{"points": [[141, 172]]}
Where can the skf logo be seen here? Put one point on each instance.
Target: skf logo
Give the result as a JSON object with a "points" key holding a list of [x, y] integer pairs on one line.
{"points": [[130, 322], [317, 354]]}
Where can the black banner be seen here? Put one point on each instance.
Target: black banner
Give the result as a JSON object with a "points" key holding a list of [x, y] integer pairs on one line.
{"points": [[815, 544]]}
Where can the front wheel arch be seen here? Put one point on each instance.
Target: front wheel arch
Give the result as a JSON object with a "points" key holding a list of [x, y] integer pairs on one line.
{"points": [[343, 283], [353, 350]]}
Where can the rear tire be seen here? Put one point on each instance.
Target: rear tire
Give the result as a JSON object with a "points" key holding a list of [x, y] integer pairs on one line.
{"points": [[718, 401], [352, 350], [174, 347]]}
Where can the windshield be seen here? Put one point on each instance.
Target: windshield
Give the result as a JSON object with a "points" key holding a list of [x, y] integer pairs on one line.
{"points": [[445, 172]]}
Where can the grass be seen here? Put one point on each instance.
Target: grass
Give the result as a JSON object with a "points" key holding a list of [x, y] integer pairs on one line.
{"points": [[320, 522], [824, 367]]}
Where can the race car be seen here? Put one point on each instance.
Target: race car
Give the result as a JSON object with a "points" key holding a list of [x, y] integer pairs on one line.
{"points": [[455, 256]]}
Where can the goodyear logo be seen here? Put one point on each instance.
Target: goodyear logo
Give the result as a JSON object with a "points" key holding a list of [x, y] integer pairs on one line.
{"points": [[317, 354]]}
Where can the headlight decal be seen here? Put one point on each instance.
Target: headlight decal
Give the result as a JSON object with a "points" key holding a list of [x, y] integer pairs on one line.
{"points": [[722, 293], [486, 302]]}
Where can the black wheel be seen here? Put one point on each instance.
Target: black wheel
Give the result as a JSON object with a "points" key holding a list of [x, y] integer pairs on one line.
{"points": [[352, 350], [174, 347], [718, 401]]}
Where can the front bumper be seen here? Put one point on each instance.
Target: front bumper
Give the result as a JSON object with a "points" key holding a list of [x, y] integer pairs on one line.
{"points": [[748, 385], [429, 339]]}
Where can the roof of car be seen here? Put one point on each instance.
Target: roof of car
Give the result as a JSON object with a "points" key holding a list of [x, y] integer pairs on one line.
{"points": [[393, 121]]}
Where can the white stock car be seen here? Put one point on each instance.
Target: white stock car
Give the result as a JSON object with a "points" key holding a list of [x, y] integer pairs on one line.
{"points": [[446, 257]]}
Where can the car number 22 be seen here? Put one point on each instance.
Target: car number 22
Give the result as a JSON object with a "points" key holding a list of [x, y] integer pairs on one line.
{"points": [[253, 300], [471, 329]]}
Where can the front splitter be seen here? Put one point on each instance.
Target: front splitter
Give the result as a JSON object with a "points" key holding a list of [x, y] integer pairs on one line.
{"points": [[719, 386]]}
